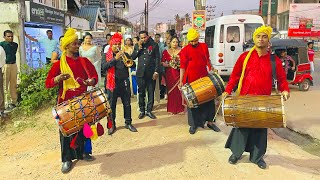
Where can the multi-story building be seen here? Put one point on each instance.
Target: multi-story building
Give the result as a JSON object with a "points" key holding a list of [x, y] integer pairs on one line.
{"points": [[283, 14], [115, 17], [251, 11]]}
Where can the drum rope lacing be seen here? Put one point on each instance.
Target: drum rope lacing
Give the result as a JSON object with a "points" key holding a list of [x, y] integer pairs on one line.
{"points": [[95, 108]]}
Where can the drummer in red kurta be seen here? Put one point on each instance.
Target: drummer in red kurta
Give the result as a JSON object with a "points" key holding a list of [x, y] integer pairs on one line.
{"points": [[194, 64], [256, 80], [72, 74]]}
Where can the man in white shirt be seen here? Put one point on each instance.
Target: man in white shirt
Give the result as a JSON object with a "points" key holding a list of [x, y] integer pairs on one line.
{"points": [[2, 63]]}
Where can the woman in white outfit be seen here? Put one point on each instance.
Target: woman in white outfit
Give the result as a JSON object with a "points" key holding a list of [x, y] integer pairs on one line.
{"points": [[90, 51]]}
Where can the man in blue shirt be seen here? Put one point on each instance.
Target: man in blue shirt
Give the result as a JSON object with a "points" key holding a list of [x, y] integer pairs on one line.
{"points": [[48, 43]]}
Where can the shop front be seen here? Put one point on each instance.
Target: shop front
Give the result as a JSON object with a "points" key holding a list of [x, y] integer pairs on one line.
{"points": [[39, 19]]}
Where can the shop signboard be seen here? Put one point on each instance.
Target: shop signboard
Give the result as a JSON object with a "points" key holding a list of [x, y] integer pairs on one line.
{"points": [[101, 26], [44, 14], [304, 20], [119, 5], [199, 19]]}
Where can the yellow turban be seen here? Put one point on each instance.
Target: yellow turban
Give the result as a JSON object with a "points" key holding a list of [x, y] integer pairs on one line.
{"points": [[192, 34], [262, 29], [70, 83]]}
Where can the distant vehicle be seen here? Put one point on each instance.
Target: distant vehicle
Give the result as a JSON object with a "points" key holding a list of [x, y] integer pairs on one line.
{"points": [[229, 36], [297, 49]]}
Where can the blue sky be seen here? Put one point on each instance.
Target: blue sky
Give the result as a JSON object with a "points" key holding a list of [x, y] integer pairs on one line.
{"points": [[168, 8]]}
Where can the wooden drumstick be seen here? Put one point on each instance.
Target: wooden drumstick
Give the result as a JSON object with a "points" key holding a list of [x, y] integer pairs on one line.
{"points": [[218, 109]]}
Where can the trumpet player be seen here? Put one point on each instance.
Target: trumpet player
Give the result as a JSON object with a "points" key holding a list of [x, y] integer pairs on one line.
{"points": [[118, 84]]}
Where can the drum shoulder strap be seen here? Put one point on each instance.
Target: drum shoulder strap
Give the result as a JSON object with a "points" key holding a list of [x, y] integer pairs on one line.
{"points": [[274, 70]]}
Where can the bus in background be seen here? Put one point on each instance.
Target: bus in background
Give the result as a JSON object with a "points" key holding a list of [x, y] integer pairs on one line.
{"points": [[229, 36]]}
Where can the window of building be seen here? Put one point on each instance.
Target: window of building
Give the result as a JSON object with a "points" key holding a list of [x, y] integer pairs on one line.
{"points": [[233, 34]]}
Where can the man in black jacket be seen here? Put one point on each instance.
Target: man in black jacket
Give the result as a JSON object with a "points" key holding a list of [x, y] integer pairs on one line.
{"points": [[118, 84], [147, 52]]}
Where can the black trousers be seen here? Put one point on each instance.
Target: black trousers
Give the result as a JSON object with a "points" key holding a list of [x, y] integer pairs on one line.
{"points": [[121, 90], [198, 116], [163, 89], [143, 85], [69, 154], [253, 140]]}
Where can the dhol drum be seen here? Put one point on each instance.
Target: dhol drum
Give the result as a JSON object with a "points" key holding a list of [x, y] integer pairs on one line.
{"points": [[203, 90], [89, 108], [260, 111]]}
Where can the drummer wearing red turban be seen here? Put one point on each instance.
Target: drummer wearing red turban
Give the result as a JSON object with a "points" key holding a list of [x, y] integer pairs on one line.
{"points": [[194, 64], [253, 75], [66, 74]]}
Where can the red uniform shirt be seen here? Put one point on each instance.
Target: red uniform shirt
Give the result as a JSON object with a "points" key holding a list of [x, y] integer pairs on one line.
{"points": [[78, 71], [258, 75], [195, 61], [311, 55]]}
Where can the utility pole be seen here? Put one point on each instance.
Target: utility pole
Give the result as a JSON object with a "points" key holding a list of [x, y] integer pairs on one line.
{"points": [[269, 13], [146, 13], [200, 4], [22, 17]]}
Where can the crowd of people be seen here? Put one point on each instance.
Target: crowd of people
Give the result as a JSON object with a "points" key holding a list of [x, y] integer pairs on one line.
{"points": [[159, 71]]}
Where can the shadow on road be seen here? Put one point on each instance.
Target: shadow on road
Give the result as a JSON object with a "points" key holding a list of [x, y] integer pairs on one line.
{"points": [[302, 165], [140, 160]]}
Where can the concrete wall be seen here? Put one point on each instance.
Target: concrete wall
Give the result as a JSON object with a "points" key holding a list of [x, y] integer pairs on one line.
{"points": [[10, 22]]}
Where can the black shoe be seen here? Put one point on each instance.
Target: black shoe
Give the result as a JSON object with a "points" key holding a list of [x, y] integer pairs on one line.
{"points": [[66, 166], [233, 159], [3, 115], [11, 107], [151, 115], [131, 128], [112, 130], [88, 157], [141, 115], [192, 130], [262, 164], [213, 127]]}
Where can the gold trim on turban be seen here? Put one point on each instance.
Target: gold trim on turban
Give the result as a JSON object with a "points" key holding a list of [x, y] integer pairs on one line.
{"points": [[69, 37], [192, 34]]}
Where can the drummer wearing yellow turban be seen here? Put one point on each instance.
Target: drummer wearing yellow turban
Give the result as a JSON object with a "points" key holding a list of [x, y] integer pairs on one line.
{"points": [[195, 64], [252, 75], [72, 74]]}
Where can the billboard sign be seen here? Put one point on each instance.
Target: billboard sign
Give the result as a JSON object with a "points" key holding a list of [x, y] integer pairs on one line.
{"points": [[199, 19], [304, 20], [44, 14]]}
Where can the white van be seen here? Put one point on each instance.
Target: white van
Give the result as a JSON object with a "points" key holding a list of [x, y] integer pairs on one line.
{"points": [[229, 36]]}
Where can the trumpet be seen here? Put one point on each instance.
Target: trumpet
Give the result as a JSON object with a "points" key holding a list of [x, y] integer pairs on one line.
{"points": [[128, 62]]}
